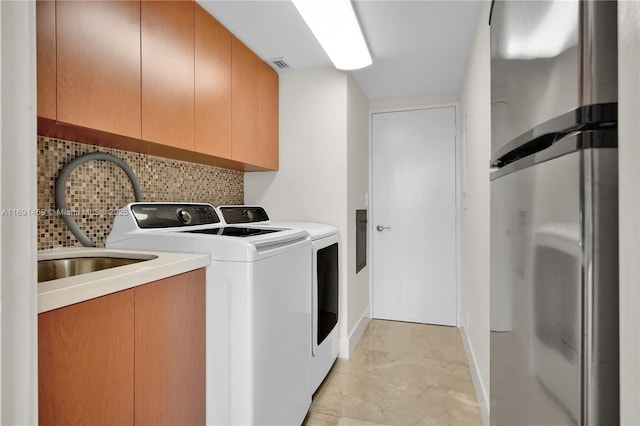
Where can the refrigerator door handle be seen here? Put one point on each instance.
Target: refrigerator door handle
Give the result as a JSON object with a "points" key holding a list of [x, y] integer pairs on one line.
{"points": [[536, 145], [558, 145], [589, 117]]}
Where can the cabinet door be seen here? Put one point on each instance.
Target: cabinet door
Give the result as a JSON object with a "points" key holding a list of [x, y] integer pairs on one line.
{"points": [[98, 65], [168, 73], [85, 362], [244, 102], [268, 116], [213, 86], [170, 350], [254, 103], [46, 58]]}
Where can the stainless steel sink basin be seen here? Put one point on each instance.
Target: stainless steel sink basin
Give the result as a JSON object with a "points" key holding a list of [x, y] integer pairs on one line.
{"points": [[62, 268]]}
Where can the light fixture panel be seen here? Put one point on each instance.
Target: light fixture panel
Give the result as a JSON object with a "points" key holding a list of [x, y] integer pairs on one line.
{"points": [[335, 26]]}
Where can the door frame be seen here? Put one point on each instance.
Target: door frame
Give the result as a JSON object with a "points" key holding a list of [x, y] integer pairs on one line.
{"points": [[371, 199]]}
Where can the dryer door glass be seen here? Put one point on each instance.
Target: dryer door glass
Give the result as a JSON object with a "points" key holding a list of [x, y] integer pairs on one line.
{"points": [[327, 281]]}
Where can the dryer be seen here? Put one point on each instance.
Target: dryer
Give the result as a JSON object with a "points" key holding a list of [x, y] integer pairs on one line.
{"points": [[258, 314], [324, 282]]}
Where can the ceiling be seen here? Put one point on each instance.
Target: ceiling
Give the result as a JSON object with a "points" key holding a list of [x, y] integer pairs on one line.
{"points": [[419, 47]]}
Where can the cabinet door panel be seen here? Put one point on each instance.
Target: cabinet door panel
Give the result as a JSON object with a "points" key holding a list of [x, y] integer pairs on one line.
{"points": [[170, 350], [85, 362], [168, 73], [213, 86], [254, 104], [268, 116], [98, 65], [244, 101], [46, 58]]}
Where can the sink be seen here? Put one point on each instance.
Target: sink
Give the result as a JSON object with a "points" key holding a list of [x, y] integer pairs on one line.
{"points": [[54, 269]]}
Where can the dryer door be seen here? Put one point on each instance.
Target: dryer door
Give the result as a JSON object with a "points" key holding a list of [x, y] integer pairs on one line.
{"points": [[326, 278]]}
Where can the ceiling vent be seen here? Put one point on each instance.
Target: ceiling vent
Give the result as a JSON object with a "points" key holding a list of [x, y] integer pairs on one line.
{"points": [[279, 64]]}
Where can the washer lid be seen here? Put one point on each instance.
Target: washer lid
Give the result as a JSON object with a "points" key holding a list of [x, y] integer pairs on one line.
{"points": [[257, 216], [315, 230]]}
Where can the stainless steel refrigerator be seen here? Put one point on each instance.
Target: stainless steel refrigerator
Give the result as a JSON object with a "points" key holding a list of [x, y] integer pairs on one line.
{"points": [[554, 213]]}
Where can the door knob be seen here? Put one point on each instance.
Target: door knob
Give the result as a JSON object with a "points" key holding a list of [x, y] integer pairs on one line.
{"points": [[381, 228]]}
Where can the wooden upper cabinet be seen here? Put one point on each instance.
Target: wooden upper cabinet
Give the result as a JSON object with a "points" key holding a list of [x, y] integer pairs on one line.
{"points": [[98, 65], [86, 362], [244, 101], [168, 73], [123, 73], [212, 86], [268, 117], [254, 106], [46, 58], [170, 351]]}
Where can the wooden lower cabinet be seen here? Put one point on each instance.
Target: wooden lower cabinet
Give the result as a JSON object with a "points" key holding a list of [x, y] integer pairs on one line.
{"points": [[170, 351], [85, 362], [132, 357]]}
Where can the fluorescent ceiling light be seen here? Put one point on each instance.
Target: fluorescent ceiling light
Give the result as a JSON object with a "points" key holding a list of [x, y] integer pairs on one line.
{"points": [[336, 28]]}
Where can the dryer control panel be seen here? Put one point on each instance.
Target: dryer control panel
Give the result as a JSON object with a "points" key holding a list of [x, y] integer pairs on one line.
{"points": [[243, 214], [170, 215]]}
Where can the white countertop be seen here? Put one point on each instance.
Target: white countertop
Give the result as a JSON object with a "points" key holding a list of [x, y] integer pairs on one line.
{"points": [[67, 291]]}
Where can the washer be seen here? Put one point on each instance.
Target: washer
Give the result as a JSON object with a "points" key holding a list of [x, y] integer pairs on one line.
{"points": [[257, 302], [325, 282]]}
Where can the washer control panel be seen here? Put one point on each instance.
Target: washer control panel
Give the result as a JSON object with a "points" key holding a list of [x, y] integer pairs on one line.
{"points": [[170, 215]]}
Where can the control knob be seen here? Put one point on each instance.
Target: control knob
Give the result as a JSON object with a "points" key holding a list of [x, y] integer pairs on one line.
{"points": [[184, 216]]}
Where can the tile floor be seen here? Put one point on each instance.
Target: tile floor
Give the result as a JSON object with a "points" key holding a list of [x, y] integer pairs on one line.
{"points": [[400, 374]]}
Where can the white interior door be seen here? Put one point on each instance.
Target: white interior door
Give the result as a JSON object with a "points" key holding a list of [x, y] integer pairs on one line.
{"points": [[414, 215]]}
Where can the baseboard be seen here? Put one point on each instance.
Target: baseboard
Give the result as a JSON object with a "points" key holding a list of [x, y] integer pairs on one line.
{"points": [[358, 330], [356, 334], [478, 384]]}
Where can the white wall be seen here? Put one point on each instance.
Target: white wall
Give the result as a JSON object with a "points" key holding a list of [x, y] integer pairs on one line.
{"points": [[18, 312], [357, 198], [629, 157], [319, 171], [418, 101], [475, 135]]}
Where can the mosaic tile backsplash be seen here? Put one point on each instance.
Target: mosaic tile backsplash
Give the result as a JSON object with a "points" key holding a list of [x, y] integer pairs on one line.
{"points": [[99, 188]]}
